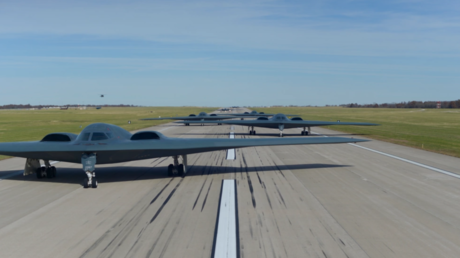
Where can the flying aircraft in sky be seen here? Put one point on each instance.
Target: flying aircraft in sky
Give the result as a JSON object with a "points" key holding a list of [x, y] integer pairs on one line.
{"points": [[105, 144], [281, 122], [202, 116]]}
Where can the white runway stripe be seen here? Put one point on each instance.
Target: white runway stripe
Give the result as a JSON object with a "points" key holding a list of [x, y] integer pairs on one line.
{"points": [[406, 160], [231, 152], [226, 239]]}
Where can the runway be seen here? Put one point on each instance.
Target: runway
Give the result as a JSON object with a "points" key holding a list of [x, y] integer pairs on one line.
{"points": [[293, 201]]}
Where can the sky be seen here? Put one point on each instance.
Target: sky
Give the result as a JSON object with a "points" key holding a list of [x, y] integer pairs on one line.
{"points": [[226, 53]]}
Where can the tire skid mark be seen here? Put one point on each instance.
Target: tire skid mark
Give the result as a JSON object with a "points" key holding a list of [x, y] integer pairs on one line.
{"points": [[279, 193], [251, 189], [125, 230], [202, 186], [158, 195], [166, 201], [205, 198]]}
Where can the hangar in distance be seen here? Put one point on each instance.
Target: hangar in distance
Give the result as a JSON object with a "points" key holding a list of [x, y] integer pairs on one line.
{"points": [[102, 143], [281, 122]]}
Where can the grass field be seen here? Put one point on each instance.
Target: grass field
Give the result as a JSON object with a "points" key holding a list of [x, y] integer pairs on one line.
{"points": [[31, 125], [436, 130]]}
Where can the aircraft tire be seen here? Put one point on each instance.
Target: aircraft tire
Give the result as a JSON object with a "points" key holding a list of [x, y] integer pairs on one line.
{"points": [[39, 173], [170, 169], [52, 171], [180, 170], [49, 173], [254, 132], [302, 133], [94, 183], [86, 183], [306, 133]]}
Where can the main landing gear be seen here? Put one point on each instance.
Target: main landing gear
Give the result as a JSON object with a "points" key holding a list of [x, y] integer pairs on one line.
{"points": [[177, 169], [88, 161], [252, 132], [45, 171], [305, 132]]}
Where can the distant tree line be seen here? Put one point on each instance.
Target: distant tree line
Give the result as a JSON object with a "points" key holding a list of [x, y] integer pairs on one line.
{"points": [[409, 104], [28, 106]]}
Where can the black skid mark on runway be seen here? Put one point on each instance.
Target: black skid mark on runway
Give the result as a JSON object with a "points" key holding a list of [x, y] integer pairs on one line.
{"points": [[249, 181], [166, 201], [279, 193], [199, 194], [124, 226], [156, 197], [205, 198]]}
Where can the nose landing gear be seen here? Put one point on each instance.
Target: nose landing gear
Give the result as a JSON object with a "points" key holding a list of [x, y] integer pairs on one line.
{"points": [[89, 164]]}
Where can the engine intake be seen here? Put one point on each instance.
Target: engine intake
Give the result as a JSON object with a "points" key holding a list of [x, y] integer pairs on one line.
{"points": [[145, 136], [59, 137]]}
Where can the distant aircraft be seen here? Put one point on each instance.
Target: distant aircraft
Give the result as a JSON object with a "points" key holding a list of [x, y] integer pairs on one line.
{"points": [[281, 122], [105, 144], [102, 95], [203, 116], [253, 114]]}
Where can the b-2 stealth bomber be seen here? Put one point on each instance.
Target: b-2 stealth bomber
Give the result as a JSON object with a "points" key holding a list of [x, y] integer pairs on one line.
{"points": [[281, 122], [105, 144], [202, 116]]}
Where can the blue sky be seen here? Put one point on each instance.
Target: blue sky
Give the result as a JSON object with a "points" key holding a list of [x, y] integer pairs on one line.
{"points": [[222, 53]]}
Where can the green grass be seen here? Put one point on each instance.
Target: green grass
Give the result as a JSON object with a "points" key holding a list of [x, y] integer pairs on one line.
{"points": [[436, 130], [32, 125]]}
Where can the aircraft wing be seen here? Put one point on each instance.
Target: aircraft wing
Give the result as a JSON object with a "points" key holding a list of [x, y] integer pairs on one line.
{"points": [[127, 150], [289, 123], [192, 118]]}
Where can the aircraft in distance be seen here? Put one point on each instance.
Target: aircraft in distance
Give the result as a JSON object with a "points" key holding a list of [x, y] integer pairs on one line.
{"points": [[101, 143], [253, 114], [202, 116], [281, 121]]}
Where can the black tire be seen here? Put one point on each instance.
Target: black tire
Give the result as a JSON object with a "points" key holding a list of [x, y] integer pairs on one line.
{"points": [[53, 171], [94, 183], [180, 170], [302, 133], [306, 133], [86, 183], [49, 173], [39, 172], [254, 132], [170, 169]]}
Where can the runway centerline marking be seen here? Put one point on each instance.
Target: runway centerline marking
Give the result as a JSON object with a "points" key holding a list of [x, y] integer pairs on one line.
{"points": [[231, 152], [226, 239], [405, 160]]}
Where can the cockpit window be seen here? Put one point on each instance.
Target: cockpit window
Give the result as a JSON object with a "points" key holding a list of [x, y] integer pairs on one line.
{"points": [[110, 135], [99, 137], [85, 137]]}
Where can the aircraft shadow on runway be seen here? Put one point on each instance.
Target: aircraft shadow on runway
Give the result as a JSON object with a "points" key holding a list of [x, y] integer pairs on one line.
{"points": [[274, 134], [124, 173]]}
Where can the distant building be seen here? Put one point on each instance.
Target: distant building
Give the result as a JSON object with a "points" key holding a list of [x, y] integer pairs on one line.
{"points": [[438, 104]]}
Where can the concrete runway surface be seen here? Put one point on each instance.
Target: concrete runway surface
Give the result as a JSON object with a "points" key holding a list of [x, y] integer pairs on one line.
{"points": [[293, 201]]}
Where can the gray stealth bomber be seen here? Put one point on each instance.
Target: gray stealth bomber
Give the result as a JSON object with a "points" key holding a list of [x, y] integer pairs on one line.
{"points": [[202, 116], [281, 122], [253, 114], [105, 144]]}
